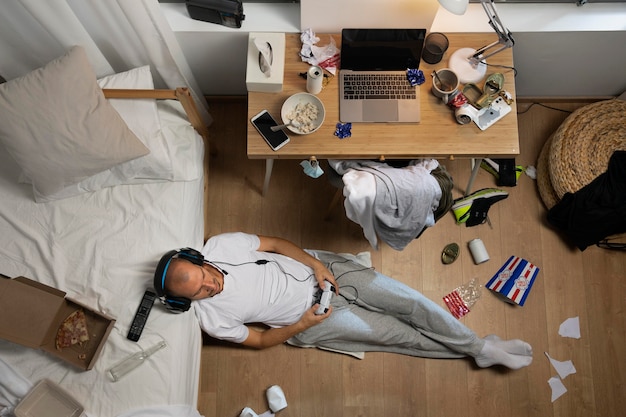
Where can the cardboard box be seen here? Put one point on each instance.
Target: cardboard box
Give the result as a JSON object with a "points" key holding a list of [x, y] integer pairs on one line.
{"points": [[256, 80], [33, 312], [514, 280]]}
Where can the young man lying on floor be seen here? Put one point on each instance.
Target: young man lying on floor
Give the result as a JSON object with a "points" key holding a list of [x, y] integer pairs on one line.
{"points": [[241, 278]]}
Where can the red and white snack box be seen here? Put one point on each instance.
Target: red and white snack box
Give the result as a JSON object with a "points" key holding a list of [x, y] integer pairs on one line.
{"points": [[514, 280]]}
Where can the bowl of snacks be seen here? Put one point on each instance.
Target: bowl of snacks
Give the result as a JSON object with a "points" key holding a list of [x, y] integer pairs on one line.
{"points": [[303, 113]]}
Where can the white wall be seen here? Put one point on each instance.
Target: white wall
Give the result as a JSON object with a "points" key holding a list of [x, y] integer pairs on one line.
{"points": [[330, 16], [217, 54], [561, 50]]}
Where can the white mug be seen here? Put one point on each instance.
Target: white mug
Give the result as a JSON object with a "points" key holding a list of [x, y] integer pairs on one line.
{"points": [[445, 84]]}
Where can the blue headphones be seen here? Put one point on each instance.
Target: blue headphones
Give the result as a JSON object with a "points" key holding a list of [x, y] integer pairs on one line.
{"points": [[174, 304]]}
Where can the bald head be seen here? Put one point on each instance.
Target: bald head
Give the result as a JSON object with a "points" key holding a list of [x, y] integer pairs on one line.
{"points": [[189, 280], [178, 275]]}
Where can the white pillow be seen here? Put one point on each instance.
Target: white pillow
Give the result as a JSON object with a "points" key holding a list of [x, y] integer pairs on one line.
{"points": [[57, 125], [142, 117]]}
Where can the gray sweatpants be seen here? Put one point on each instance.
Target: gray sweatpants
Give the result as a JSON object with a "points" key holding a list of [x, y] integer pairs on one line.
{"points": [[377, 313]]}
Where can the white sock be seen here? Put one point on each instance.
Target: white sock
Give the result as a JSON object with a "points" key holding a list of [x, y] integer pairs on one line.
{"points": [[514, 354]]}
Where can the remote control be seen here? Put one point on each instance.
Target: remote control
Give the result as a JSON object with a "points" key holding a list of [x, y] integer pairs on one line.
{"points": [[141, 316], [323, 298]]}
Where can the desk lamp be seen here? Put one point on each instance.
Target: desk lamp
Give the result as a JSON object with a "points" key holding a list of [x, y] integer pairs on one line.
{"points": [[469, 64]]}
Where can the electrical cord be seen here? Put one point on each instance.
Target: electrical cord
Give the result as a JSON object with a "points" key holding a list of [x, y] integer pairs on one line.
{"points": [[337, 278], [261, 262], [543, 105], [501, 66]]}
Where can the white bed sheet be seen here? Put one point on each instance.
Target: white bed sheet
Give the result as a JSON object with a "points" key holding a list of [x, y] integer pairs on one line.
{"points": [[102, 248]]}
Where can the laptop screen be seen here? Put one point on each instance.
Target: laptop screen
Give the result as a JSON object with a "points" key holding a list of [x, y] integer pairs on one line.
{"points": [[381, 49]]}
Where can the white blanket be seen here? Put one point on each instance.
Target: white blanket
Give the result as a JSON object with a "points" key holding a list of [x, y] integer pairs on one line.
{"points": [[102, 248]]}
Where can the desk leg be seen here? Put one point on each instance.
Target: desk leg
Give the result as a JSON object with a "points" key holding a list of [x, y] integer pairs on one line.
{"points": [[269, 165], [475, 168]]}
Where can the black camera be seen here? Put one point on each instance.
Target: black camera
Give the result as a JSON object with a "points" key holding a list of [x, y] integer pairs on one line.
{"points": [[223, 12]]}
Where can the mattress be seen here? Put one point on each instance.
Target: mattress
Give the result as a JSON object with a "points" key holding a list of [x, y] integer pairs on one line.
{"points": [[102, 248]]}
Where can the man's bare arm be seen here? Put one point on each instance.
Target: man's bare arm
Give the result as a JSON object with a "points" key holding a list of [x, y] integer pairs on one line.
{"points": [[276, 336]]}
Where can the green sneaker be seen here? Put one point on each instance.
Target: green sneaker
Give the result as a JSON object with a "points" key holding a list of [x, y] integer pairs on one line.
{"points": [[472, 209], [503, 170]]}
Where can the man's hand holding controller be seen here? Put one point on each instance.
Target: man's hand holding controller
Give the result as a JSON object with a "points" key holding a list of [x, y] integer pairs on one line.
{"points": [[325, 295]]}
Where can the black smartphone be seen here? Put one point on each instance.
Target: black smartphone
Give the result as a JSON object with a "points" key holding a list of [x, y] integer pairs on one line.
{"points": [[263, 123]]}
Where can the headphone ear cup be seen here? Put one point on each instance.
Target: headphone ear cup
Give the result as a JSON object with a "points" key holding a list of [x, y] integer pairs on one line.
{"points": [[177, 304], [191, 255], [174, 304], [161, 270]]}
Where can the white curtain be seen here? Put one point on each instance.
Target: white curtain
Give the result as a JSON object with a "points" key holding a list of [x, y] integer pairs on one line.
{"points": [[118, 35]]}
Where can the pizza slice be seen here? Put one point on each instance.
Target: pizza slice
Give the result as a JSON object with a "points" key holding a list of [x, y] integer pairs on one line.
{"points": [[73, 330]]}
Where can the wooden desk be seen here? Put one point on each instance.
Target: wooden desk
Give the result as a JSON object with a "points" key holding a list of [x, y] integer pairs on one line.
{"points": [[438, 135]]}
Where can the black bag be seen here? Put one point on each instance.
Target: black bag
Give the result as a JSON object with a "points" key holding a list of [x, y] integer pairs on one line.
{"points": [[223, 12]]}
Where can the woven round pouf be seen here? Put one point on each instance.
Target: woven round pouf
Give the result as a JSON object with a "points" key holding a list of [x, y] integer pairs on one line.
{"points": [[581, 147], [546, 191]]}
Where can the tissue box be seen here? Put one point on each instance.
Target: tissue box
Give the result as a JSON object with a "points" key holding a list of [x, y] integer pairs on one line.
{"points": [[514, 280], [256, 80]]}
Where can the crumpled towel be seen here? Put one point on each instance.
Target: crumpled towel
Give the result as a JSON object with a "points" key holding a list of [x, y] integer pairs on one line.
{"points": [[391, 204]]}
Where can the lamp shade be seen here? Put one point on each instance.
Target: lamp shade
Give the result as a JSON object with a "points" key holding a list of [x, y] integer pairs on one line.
{"points": [[455, 6]]}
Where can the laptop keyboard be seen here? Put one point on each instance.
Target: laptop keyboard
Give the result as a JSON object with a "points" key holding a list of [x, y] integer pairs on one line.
{"points": [[377, 86]]}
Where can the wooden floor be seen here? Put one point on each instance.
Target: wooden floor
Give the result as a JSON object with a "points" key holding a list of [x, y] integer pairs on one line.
{"points": [[589, 284]]}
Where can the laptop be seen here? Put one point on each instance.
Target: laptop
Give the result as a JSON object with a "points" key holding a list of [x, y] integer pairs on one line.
{"points": [[373, 85]]}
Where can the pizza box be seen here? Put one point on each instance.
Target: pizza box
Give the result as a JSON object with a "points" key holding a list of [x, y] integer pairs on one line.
{"points": [[33, 312], [47, 399]]}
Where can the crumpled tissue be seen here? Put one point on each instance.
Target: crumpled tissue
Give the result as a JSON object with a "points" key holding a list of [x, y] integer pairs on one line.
{"points": [[265, 56], [326, 57], [276, 400]]}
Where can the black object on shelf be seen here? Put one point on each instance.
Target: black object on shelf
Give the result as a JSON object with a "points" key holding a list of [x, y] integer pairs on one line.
{"points": [[222, 12]]}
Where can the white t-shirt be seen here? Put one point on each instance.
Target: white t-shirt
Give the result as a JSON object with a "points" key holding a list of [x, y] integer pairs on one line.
{"points": [[276, 293]]}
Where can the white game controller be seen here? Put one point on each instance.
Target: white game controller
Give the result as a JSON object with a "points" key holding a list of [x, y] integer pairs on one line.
{"points": [[323, 298]]}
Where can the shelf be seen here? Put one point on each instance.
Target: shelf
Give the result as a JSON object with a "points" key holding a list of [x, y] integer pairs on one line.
{"points": [[259, 17]]}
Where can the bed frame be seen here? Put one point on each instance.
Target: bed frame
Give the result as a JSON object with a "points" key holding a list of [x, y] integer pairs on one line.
{"points": [[183, 95]]}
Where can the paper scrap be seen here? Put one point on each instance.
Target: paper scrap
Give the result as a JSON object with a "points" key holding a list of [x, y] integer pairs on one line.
{"points": [[248, 412], [570, 328], [557, 386], [562, 368]]}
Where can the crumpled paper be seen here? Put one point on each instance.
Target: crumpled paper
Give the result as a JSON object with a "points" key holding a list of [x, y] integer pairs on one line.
{"points": [[557, 386], [563, 368], [326, 56], [276, 400], [570, 328]]}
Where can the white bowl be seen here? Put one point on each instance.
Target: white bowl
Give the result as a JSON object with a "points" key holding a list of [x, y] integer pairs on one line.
{"points": [[298, 106]]}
